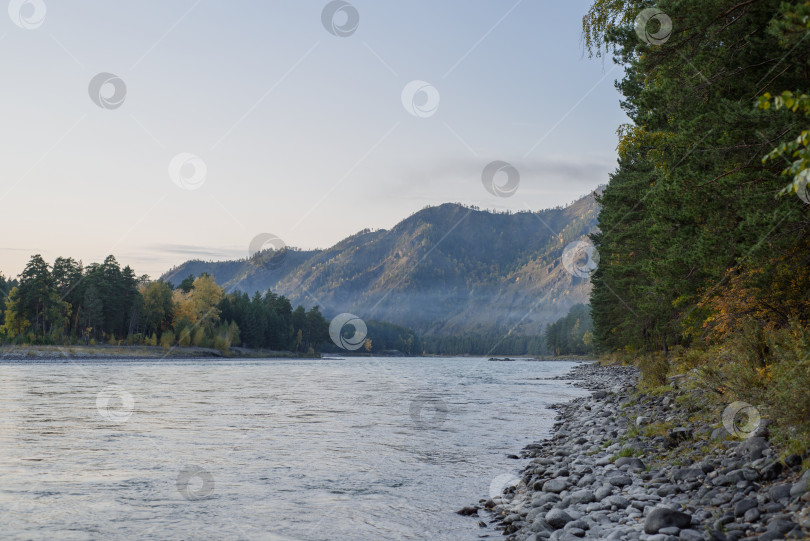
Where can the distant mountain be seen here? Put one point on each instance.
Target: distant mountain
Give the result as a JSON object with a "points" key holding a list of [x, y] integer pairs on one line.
{"points": [[445, 270]]}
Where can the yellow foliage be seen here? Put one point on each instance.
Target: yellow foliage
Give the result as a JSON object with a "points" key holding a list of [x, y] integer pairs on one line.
{"points": [[183, 306]]}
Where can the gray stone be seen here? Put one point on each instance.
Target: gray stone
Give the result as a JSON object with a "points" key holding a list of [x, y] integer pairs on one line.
{"points": [[604, 491], [544, 498], [690, 535], [620, 480], [744, 474], [661, 517], [685, 474], [598, 395], [801, 486], [744, 505], [631, 461], [586, 480], [619, 501], [667, 490], [579, 523], [752, 515], [557, 518], [556, 485], [540, 525], [780, 492], [751, 448], [781, 526], [583, 496]]}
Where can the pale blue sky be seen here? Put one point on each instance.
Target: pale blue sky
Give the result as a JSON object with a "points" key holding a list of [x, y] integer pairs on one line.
{"points": [[303, 133]]}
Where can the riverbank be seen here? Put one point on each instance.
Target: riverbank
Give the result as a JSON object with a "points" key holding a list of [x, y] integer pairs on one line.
{"points": [[622, 464], [106, 351]]}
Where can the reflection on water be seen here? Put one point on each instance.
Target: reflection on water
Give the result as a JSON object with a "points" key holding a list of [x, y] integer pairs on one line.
{"points": [[330, 449]]}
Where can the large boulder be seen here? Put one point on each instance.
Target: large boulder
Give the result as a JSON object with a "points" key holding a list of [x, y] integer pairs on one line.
{"points": [[556, 485], [557, 518], [583, 496], [661, 517], [744, 505], [801, 486], [751, 449]]}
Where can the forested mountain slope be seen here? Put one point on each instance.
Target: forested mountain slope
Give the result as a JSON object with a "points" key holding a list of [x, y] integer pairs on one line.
{"points": [[449, 269]]}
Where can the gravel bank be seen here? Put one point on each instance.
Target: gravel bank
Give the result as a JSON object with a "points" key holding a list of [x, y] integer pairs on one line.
{"points": [[689, 482]]}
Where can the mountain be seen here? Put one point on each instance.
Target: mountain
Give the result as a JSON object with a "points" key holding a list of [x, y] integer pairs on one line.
{"points": [[446, 270]]}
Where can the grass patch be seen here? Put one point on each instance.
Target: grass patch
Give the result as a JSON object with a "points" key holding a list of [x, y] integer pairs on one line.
{"points": [[656, 429], [626, 452]]}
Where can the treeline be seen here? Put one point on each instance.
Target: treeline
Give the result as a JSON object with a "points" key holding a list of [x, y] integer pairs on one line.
{"points": [[703, 240], [68, 303], [485, 343], [572, 334], [384, 337], [695, 237]]}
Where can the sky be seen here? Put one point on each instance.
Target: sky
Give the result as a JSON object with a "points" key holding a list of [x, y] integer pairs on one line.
{"points": [[161, 131]]}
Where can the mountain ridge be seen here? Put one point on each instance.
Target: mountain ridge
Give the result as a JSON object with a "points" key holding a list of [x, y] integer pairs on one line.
{"points": [[444, 270]]}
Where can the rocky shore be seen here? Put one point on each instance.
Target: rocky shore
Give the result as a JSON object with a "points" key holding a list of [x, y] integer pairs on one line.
{"points": [[627, 465]]}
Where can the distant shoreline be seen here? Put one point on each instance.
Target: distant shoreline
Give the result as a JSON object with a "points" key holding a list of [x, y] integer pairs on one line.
{"points": [[138, 352], [103, 351]]}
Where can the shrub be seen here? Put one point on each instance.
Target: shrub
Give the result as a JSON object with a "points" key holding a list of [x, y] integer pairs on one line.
{"points": [[222, 344], [167, 339], [185, 337], [654, 370], [199, 337], [771, 371]]}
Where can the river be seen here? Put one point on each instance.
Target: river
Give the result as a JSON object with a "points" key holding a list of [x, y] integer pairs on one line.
{"points": [[361, 449]]}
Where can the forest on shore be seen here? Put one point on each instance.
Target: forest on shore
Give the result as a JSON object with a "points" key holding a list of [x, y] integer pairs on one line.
{"points": [[703, 238], [68, 303]]}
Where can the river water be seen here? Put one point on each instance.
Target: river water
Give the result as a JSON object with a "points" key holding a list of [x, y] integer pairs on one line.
{"points": [[360, 449]]}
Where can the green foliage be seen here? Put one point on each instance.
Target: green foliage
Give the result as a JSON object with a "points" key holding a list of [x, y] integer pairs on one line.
{"points": [[703, 265], [386, 337], [492, 342], [692, 237], [167, 339], [627, 452], [104, 303], [572, 334]]}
